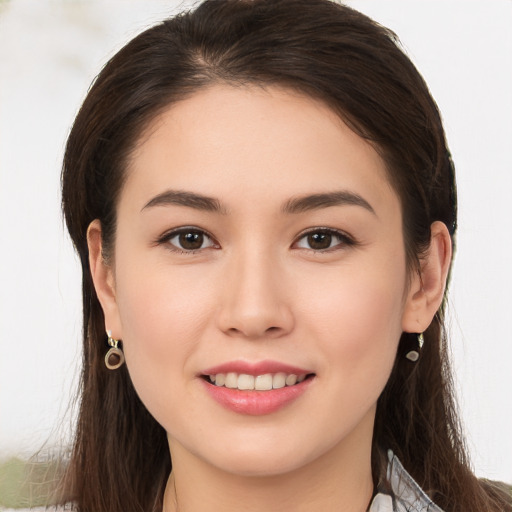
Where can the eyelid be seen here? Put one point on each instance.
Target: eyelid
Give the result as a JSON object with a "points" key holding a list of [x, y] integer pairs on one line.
{"points": [[169, 235], [346, 240]]}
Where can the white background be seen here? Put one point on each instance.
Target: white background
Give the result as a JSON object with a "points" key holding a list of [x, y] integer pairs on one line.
{"points": [[49, 53]]}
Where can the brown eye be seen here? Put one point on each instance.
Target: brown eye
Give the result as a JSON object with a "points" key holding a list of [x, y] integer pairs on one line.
{"points": [[190, 240], [323, 239], [319, 241]]}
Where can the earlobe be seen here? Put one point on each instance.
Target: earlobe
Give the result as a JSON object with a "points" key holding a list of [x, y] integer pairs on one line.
{"points": [[428, 285], [103, 279]]}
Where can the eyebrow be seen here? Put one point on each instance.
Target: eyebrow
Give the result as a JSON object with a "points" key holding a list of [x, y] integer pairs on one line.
{"points": [[188, 199], [324, 200], [293, 206]]}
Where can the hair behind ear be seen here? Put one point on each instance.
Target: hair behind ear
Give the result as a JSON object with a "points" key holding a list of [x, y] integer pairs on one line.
{"points": [[102, 275], [428, 283]]}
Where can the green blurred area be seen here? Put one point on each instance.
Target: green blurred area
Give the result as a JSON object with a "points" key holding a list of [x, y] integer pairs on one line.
{"points": [[26, 484]]}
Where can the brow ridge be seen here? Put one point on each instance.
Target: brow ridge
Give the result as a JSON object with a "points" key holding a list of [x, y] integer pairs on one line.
{"points": [[187, 199], [294, 205], [325, 200]]}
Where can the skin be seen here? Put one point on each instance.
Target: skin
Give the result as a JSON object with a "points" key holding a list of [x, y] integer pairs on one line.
{"points": [[256, 291]]}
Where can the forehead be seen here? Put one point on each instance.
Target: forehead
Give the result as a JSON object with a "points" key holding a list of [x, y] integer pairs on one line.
{"points": [[270, 142]]}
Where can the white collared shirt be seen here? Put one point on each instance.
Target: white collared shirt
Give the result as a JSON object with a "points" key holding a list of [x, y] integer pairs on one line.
{"points": [[407, 494]]}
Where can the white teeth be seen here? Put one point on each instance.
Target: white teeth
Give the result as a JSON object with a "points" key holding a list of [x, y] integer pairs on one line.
{"points": [[291, 379], [231, 380], [245, 381], [279, 381], [264, 382]]}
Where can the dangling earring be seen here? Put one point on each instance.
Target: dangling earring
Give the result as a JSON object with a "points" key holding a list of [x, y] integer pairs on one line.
{"points": [[413, 355], [114, 358]]}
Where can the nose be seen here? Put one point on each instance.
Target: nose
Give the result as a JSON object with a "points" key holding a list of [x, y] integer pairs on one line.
{"points": [[254, 302]]}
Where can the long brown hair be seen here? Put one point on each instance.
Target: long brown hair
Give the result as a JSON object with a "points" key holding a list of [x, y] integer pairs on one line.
{"points": [[120, 460]]}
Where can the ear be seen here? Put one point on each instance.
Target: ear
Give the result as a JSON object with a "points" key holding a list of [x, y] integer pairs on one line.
{"points": [[103, 279], [428, 284]]}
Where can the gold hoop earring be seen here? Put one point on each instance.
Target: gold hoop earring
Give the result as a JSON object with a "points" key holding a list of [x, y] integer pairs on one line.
{"points": [[414, 355], [114, 358]]}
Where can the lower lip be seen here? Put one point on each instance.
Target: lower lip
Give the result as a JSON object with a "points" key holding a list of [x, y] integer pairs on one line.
{"points": [[256, 403]]}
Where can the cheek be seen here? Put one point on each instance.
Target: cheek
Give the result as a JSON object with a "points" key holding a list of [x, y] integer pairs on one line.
{"points": [[358, 332], [357, 315], [159, 308], [162, 325]]}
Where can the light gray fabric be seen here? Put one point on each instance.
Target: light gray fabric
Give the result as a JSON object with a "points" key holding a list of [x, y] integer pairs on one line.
{"points": [[382, 503], [407, 494]]}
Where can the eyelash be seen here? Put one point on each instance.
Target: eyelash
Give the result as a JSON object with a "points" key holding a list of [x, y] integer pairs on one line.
{"points": [[344, 240], [167, 237]]}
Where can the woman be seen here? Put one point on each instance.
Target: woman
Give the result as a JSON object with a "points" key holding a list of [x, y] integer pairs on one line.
{"points": [[264, 206]]}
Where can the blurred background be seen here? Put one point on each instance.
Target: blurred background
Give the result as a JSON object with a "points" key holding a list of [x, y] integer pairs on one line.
{"points": [[51, 50]]}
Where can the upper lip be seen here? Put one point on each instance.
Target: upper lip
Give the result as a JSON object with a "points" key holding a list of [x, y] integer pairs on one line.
{"points": [[255, 368]]}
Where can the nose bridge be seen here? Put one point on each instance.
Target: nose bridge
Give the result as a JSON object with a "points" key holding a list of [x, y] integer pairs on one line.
{"points": [[254, 299]]}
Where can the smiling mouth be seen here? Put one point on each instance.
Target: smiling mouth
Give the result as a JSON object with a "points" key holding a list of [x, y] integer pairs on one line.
{"points": [[266, 382]]}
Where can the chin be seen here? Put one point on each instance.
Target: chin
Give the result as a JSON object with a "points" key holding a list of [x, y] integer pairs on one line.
{"points": [[258, 466], [266, 455]]}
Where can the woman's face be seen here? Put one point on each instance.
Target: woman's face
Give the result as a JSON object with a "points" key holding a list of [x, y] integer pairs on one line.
{"points": [[258, 241]]}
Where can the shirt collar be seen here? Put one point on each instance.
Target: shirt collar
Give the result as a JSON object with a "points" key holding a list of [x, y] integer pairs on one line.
{"points": [[407, 494]]}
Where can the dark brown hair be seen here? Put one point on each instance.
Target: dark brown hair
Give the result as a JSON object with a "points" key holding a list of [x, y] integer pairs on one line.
{"points": [[120, 460]]}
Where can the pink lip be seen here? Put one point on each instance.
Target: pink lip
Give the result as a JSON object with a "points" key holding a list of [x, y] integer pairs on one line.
{"points": [[259, 368], [255, 403]]}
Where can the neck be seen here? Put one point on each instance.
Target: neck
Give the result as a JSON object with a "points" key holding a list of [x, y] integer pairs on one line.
{"points": [[338, 481]]}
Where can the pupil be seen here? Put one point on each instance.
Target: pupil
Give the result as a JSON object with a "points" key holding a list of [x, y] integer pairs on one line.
{"points": [[191, 240], [319, 240]]}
